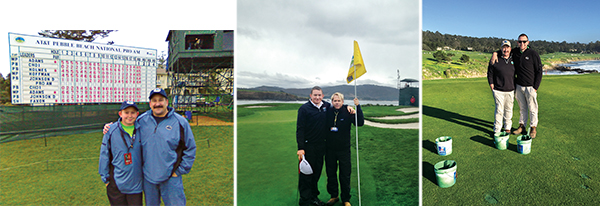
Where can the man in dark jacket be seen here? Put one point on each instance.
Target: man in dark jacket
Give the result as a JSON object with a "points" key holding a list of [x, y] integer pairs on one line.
{"points": [[339, 124], [501, 77], [310, 136]]}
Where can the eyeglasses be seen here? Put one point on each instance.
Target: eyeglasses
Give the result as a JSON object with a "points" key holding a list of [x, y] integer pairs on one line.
{"points": [[522, 42]]}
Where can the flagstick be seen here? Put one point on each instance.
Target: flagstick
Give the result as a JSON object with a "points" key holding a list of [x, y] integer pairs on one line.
{"points": [[356, 126]]}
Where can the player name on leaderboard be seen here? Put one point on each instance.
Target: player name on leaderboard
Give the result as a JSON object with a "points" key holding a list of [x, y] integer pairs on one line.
{"points": [[50, 71]]}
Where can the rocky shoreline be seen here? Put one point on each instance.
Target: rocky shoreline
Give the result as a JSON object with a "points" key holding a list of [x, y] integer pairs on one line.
{"points": [[568, 69]]}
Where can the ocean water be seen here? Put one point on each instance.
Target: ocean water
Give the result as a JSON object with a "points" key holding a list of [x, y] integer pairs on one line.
{"points": [[586, 65]]}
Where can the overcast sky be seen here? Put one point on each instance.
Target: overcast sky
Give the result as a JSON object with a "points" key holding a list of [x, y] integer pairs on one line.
{"points": [[142, 24], [299, 44]]}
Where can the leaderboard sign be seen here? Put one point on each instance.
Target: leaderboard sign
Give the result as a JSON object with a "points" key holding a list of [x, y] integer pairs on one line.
{"points": [[59, 71]]}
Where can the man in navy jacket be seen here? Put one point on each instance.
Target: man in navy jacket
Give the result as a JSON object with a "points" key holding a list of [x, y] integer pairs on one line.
{"points": [[310, 136]]}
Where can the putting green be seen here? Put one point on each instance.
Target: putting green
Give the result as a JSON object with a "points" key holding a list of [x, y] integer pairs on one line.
{"points": [[267, 162]]}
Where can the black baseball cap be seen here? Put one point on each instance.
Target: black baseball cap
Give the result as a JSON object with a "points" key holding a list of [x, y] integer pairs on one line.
{"points": [[158, 91], [126, 104]]}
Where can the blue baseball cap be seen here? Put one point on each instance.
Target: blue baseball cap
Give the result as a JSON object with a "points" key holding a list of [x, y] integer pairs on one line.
{"points": [[126, 104], [158, 91]]}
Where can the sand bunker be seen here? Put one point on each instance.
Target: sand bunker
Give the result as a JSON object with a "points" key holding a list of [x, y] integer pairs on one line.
{"points": [[257, 107], [399, 117], [409, 109], [414, 125]]}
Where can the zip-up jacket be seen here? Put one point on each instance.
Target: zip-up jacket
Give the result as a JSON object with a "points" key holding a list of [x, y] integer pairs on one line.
{"points": [[340, 139], [502, 74], [310, 125], [127, 177], [528, 67], [159, 142]]}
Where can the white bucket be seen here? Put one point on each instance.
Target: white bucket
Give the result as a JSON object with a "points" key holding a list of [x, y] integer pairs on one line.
{"points": [[524, 146], [444, 145], [445, 173], [501, 140]]}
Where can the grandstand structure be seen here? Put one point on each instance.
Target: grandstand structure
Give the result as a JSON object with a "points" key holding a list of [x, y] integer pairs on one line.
{"points": [[200, 70]]}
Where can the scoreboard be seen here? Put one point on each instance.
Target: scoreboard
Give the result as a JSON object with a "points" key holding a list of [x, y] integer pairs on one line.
{"points": [[58, 71]]}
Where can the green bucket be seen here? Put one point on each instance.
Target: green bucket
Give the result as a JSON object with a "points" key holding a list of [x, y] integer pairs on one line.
{"points": [[445, 173], [501, 140], [524, 144]]}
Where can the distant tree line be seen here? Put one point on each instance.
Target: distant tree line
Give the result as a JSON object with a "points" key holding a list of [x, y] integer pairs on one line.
{"points": [[433, 40]]}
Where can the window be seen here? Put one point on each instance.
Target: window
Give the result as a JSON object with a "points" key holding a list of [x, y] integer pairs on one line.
{"points": [[200, 41]]}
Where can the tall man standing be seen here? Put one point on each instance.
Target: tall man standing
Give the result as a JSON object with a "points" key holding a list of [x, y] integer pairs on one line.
{"points": [[339, 124], [310, 136], [169, 151], [528, 71]]}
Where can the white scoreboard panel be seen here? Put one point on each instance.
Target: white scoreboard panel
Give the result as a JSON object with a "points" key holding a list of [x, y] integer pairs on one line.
{"points": [[59, 71]]}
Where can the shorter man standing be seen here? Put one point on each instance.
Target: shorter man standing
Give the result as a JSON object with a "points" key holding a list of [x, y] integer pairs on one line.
{"points": [[339, 124], [501, 77], [120, 159]]}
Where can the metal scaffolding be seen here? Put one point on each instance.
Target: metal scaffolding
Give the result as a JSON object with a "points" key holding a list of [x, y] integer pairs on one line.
{"points": [[200, 80]]}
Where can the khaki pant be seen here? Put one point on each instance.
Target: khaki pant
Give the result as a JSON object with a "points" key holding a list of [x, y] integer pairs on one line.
{"points": [[528, 105], [504, 106]]}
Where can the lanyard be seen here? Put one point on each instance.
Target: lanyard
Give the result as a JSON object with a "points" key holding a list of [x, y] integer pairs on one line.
{"points": [[335, 119], [125, 141]]}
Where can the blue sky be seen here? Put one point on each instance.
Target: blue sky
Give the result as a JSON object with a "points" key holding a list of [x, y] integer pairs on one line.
{"points": [[553, 20]]}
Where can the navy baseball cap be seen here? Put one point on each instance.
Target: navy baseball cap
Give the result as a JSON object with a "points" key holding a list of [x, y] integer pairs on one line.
{"points": [[126, 104], [158, 91]]}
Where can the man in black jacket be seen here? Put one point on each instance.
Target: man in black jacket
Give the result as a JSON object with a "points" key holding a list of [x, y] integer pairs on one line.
{"points": [[339, 124], [310, 136], [501, 77]]}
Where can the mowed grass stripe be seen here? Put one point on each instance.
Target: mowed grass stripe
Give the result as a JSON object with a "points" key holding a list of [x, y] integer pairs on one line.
{"points": [[552, 174]]}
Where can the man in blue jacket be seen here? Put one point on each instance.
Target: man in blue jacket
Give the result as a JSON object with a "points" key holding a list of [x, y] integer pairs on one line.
{"points": [[120, 159], [169, 150]]}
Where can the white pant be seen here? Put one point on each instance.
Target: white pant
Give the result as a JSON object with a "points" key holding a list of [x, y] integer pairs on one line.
{"points": [[504, 109], [528, 105]]}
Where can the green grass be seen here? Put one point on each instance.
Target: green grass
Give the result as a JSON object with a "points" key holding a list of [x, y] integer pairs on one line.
{"points": [[71, 175], [433, 69], [268, 171], [563, 153]]}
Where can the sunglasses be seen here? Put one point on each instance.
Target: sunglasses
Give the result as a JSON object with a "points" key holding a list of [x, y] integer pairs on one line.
{"points": [[522, 42]]}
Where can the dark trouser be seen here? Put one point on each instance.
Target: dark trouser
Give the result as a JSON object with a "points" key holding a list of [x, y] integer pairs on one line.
{"points": [[331, 166], [115, 197], [307, 184]]}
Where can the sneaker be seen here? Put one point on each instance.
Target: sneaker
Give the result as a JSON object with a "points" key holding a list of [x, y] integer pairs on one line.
{"points": [[333, 200], [519, 130], [318, 202], [532, 132]]}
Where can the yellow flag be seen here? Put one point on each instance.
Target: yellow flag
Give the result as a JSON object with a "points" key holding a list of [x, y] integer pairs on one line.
{"points": [[357, 62]]}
